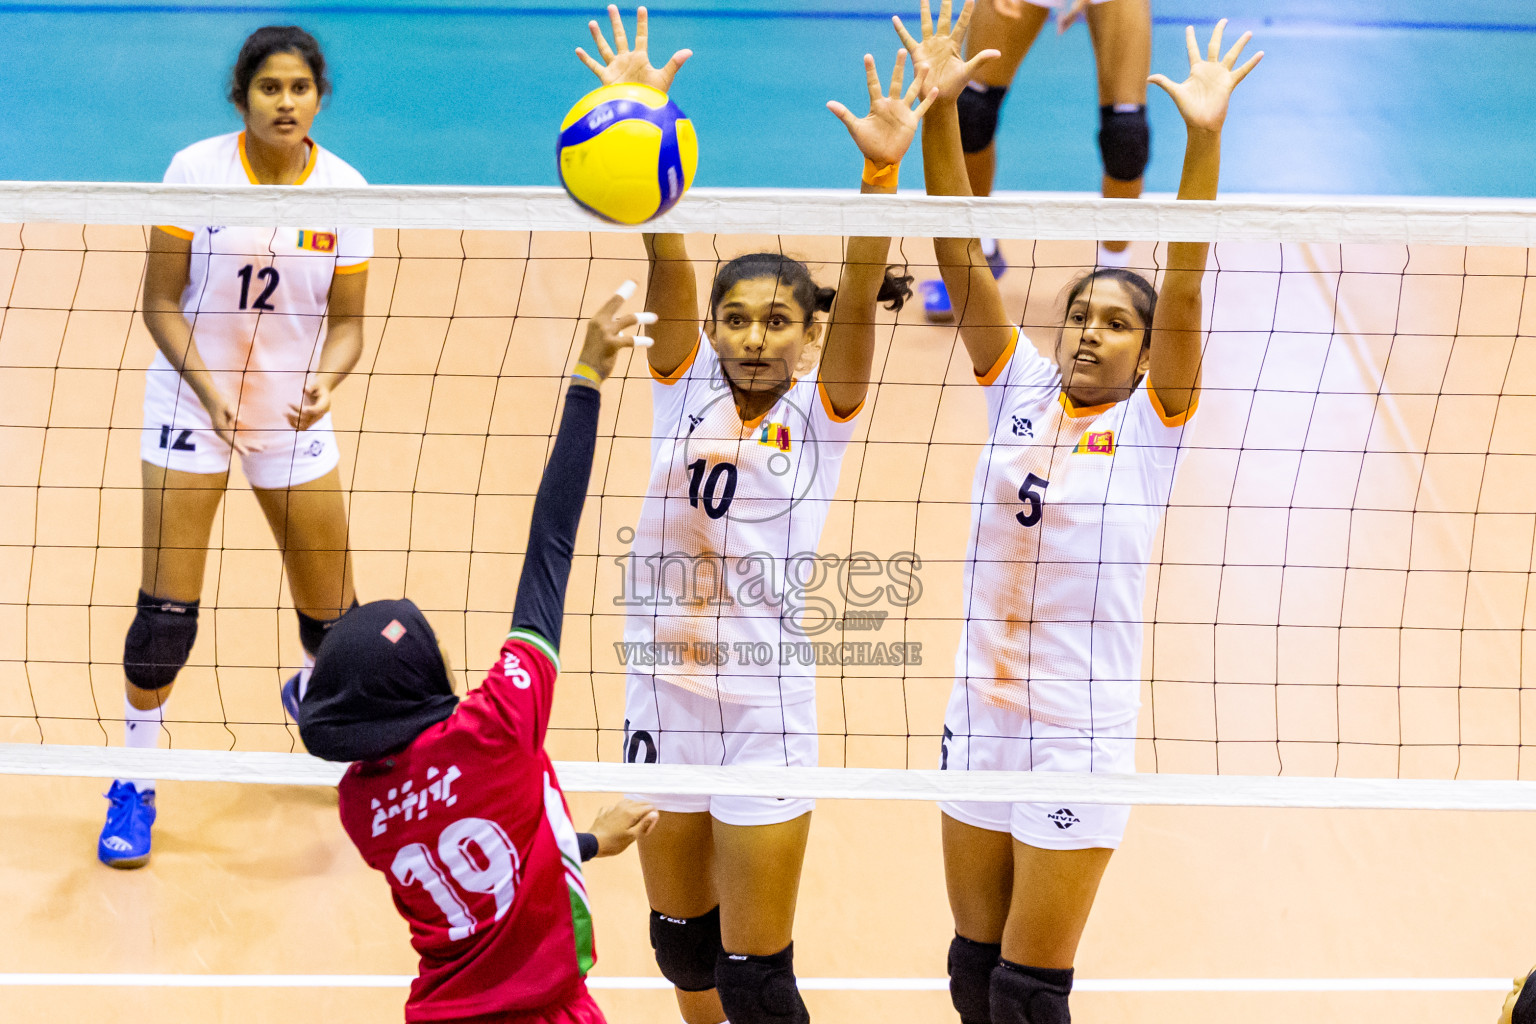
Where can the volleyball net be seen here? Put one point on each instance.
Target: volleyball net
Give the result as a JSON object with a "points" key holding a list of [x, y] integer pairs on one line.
{"points": [[1339, 598]]}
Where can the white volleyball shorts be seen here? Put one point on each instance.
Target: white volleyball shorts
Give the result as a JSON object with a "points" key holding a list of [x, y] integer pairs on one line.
{"points": [[178, 434], [667, 724], [979, 736]]}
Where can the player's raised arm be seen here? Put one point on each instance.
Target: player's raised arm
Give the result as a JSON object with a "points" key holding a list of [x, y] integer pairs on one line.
{"points": [[671, 291], [1174, 373], [540, 605], [883, 137], [973, 291]]}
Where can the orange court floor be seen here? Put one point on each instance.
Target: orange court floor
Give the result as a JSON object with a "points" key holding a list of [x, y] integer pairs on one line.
{"points": [[1340, 588]]}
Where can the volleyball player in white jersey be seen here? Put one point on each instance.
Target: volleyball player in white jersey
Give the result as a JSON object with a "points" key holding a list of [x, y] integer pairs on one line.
{"points": [[255, 327], [1084, 443], [748, 439]]}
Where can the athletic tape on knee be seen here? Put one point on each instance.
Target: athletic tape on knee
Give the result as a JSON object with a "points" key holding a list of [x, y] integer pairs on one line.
{"points": [[978, 107], [159, 641], [312, 631], [760, 989], [1125, 140], [687, 949], [1030, 995], [970, 978]]}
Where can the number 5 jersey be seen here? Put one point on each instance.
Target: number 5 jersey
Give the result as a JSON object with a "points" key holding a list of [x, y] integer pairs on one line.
{"points": [[257, 297], [470, 827], [723, 568], [1066, 503]]}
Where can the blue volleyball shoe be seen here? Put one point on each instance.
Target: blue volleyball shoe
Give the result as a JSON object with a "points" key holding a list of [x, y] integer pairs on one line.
{"points": [[124, 841], [995, 261], [290, 695], [936, 305]]}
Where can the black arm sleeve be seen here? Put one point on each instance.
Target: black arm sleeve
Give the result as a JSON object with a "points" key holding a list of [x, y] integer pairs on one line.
{"points": [[587, 842], [540, 603]]}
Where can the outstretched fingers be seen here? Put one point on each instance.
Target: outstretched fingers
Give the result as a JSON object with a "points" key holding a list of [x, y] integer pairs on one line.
{"points": [[1242, 72], [898, 74], [964, 24], [1237, 48], [603, 49], [905, 36], [977, 61], [1192, 45], [871, 78], [592, 65], [926, 19], [641, 32], [1213, 50], [620, 40]]}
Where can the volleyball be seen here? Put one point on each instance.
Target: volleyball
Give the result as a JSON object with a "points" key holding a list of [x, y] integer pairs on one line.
{"points": [[627, 153]]}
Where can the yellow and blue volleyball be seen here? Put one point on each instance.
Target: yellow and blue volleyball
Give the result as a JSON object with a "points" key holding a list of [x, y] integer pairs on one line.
{"points": [[627, 153]]}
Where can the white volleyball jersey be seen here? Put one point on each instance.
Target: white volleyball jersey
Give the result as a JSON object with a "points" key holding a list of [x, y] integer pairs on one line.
{"points": [[1067, 502], [257, 297], [723, 565]]}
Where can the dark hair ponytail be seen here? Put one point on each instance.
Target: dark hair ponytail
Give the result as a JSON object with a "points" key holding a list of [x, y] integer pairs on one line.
{"points": [[895, 290], [263, 43], [1143, 295]]}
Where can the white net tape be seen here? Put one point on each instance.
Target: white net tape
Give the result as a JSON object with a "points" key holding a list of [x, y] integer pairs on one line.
{"points": [[755, 211], [823, 783]]}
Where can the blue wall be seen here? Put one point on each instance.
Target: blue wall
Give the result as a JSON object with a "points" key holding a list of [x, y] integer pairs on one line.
{"points": [[1371, 97]]}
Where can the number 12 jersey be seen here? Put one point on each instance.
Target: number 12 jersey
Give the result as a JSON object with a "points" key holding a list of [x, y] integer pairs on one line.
{"points": [[257, 298]]}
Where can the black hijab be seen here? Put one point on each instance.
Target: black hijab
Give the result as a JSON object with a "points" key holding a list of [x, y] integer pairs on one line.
{"points": [[378, 681]]}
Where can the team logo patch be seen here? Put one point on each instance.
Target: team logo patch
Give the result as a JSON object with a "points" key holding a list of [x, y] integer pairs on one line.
{"points": [[774, 435], [393, 632], [1063, 818], [316, 448], [1096, 442], [317, 241], [1022, 427], [694, 421]]}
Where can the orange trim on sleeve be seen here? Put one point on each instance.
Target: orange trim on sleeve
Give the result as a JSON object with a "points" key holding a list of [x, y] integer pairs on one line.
{"points": [[355, 268], [1079, 414], [175, 232], [1172, 421], [245, 162], [997, 368], [682, 368], [826, 404]]}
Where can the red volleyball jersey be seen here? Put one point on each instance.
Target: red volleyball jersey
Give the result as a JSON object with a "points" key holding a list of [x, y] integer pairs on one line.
{"points": [[469, 825]]}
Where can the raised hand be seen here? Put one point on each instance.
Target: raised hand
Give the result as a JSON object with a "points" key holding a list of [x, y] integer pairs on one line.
{"points": [[1202, 97], [941, 49], [605, 337], [884, 134], [622, 64]]}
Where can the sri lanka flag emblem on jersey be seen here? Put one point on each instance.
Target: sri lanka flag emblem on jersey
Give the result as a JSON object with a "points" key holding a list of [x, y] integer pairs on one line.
{"points": [[1096, 442], [317, 241], [774, 435]]}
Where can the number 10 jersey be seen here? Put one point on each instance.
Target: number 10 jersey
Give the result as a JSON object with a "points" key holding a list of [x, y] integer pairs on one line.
{"points": [[724, 569]]}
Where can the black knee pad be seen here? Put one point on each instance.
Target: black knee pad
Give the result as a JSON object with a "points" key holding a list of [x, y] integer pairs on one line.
{"points": [[1030, 995], [978, 106], [312, 631], [760, 989], [687, 948], [1125, 140], [159, 641], [970, 978]]}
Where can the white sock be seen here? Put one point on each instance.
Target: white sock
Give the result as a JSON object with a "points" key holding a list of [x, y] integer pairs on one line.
{"points": [[141, 729], [988, 247], [1107, 258]]}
